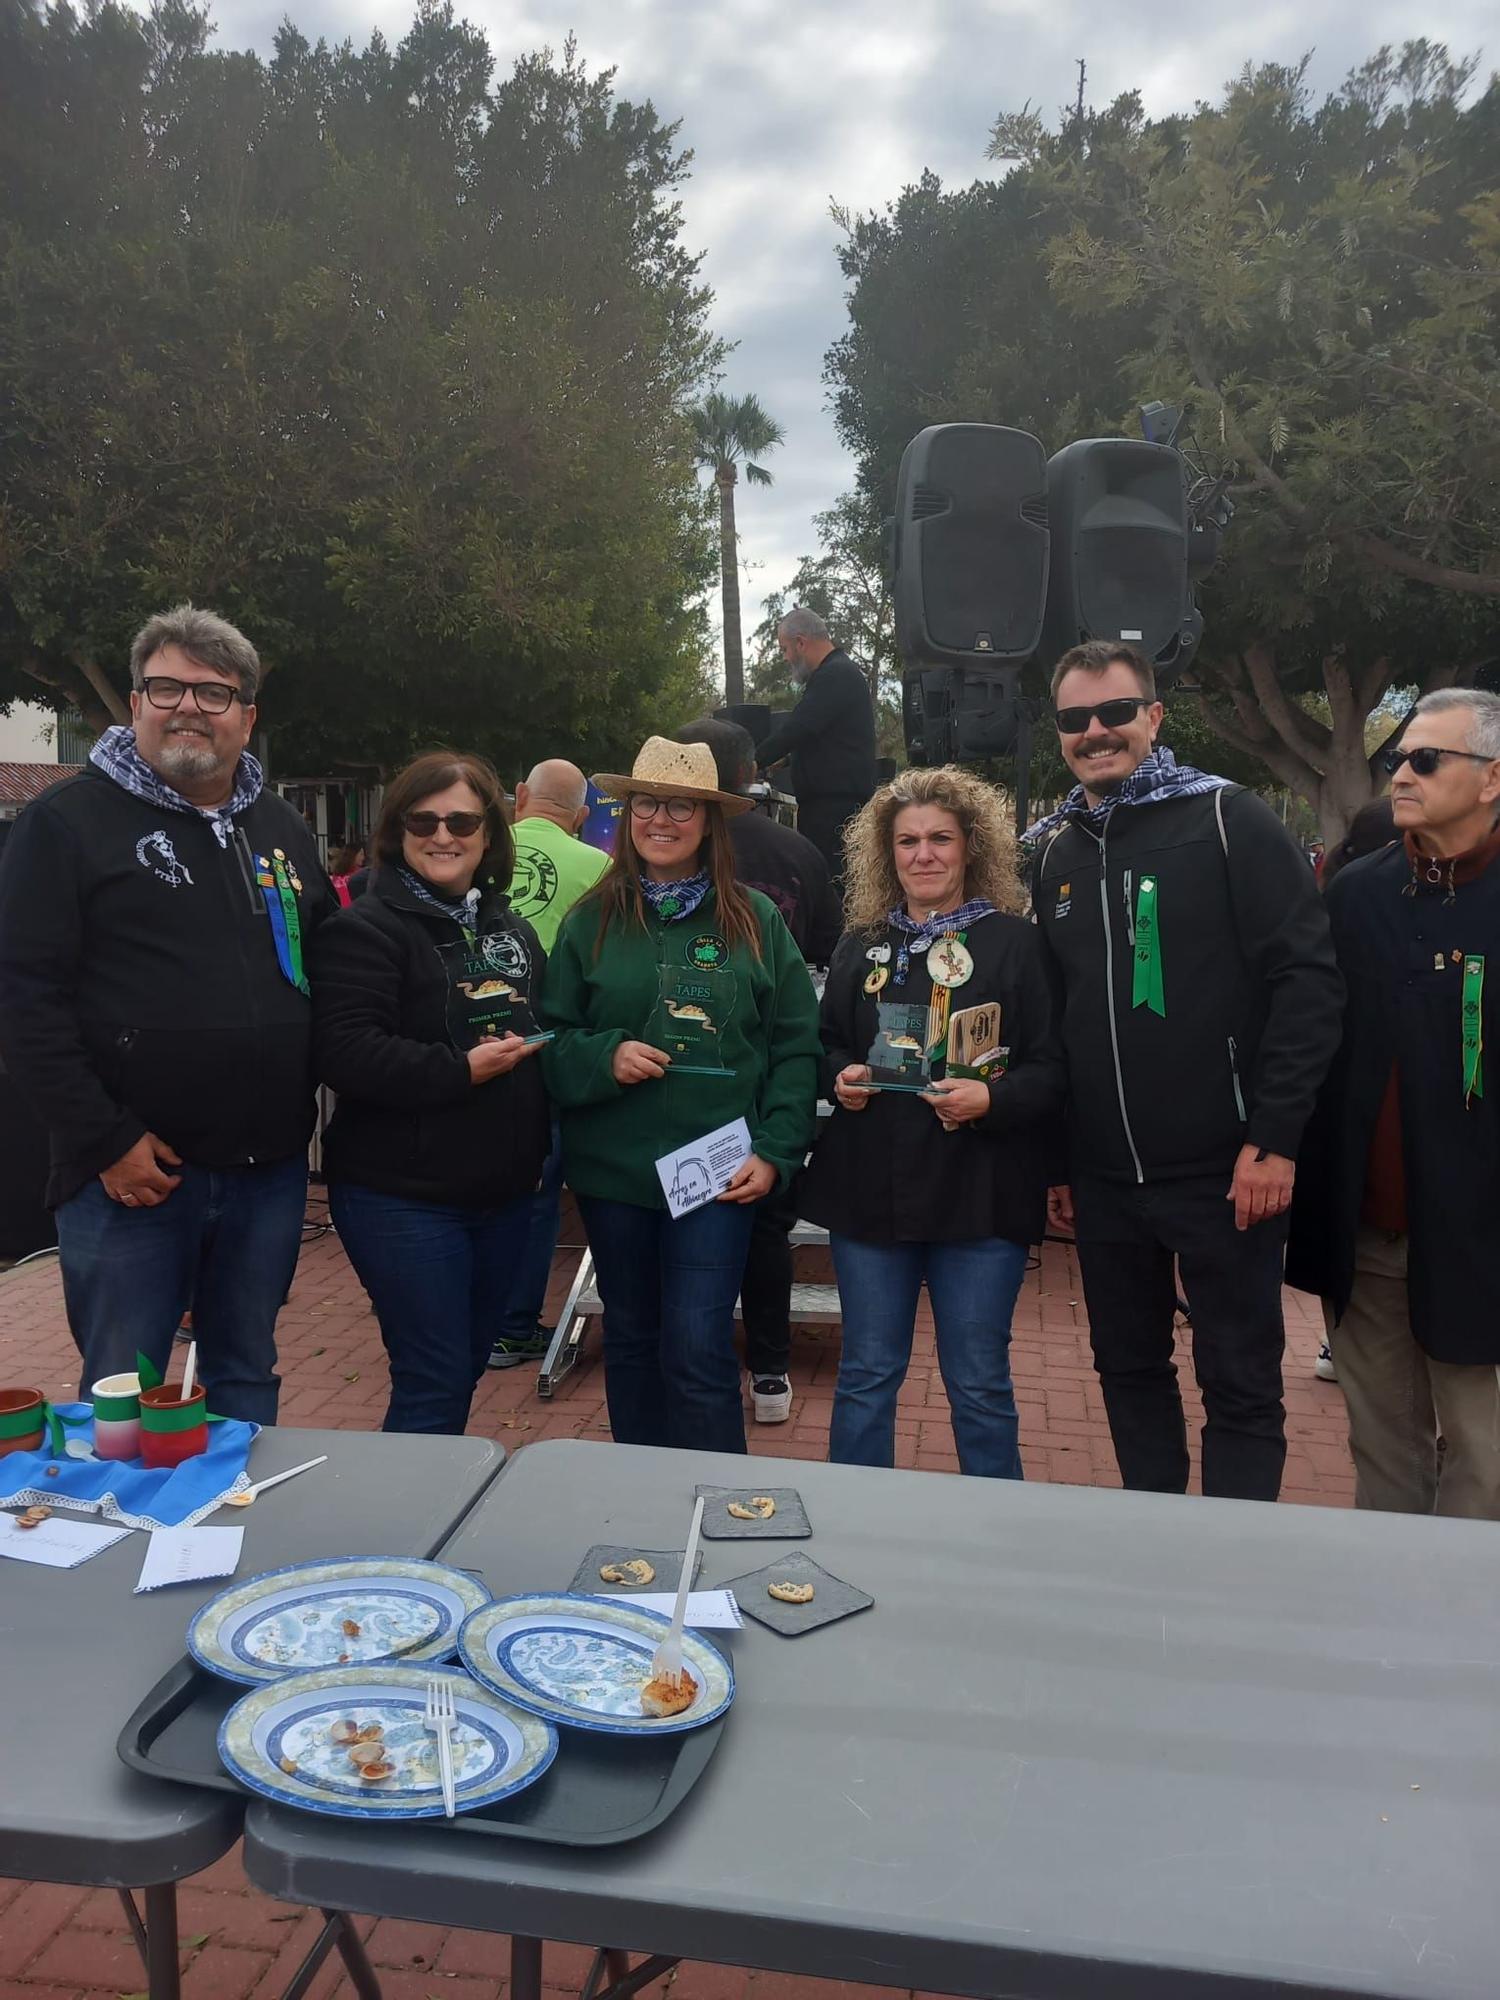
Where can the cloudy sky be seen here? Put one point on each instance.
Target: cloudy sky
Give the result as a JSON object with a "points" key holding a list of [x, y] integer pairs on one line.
{"points": [[788, 105]]}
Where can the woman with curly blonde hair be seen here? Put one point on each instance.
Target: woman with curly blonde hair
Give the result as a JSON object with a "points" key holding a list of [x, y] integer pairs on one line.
{"points": [[939, 1034]]}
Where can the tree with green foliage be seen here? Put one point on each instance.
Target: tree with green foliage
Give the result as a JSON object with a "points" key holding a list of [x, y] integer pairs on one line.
{"points": [[386, 361], [730, 432], [1317, 288]]}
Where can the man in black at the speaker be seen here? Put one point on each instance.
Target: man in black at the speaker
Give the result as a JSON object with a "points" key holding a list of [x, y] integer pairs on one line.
{"points": [[829, 736], [1201, 1007], [786, 867]]}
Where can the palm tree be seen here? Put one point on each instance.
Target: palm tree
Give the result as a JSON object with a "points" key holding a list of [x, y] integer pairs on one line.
{"points": [[729, 433]]}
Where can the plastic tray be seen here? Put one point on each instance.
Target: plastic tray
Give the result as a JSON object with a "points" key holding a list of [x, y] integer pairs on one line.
{"points": [[601, 1789]]}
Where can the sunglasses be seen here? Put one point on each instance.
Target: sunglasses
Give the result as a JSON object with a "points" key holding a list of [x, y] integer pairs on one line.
{"points": [[425, 824], [1111, 714], [209, 697], [1425, 759], [679, 811]]}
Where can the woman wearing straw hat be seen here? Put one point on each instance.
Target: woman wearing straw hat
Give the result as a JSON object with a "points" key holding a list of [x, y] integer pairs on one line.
{"points": [[680, 1003]]}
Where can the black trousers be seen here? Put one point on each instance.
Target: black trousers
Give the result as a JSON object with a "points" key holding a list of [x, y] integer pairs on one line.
{"points": [[1128, 1238], [823, 821], [766, 1288]]}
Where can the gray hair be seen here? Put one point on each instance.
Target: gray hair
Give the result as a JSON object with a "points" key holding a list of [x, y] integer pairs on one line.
{"points": [[1483, 735], [800, 624], [204, 637]]}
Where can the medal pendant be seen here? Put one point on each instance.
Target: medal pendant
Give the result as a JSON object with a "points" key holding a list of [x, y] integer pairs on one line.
{"points": [[950, 962]]}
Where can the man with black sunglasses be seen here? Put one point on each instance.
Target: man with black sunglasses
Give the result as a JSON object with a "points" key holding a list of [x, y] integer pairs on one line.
{"points": [[1200, 1011], [154, 914], [1397, 1204]]}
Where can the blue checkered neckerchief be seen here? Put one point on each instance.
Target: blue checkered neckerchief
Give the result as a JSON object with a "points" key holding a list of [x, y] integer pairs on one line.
{"points": [[917, 935], [461, 910], [116, 756], [674, 901], [1156, 777]]}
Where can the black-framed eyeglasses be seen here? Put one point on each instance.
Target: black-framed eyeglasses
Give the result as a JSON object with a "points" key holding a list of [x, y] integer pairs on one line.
{"points": [[679, 811], [1112, 714], [209, 697], [1425, 759], [425, 824]]}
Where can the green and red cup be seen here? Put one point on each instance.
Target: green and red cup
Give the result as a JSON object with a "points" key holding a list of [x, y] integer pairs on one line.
{"points": [[117, 1416], [172, 1429], [23, 1420]]}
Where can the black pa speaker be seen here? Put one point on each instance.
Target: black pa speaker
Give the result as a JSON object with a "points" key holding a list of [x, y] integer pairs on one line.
{"points": [[970, 547], [752, 715], [950, 717], [1121, 543]]}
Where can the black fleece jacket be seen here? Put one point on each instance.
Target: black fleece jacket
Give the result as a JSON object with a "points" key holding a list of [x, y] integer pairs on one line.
{"points": [[398, 997], [890, 1173], [139, 984], [1251, 990]]}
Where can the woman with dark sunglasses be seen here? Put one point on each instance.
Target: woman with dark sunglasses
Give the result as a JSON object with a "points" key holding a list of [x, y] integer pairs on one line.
{"points": [[680, 1004], [422, 1006]]}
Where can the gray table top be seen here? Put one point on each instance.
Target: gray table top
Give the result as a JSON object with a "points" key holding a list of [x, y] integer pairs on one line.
{"points": [[1087, 1742], [78, 1650]]}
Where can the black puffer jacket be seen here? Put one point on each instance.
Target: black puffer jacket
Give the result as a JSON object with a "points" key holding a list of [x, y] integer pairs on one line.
{"points": [[398, 996]]}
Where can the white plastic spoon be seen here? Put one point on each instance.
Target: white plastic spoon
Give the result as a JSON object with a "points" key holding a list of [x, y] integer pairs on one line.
{"points": [[250, 1493], [189, 1369]]}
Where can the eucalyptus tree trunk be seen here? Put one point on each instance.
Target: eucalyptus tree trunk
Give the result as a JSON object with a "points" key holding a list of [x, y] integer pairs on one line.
{"points": [[729, 570]]}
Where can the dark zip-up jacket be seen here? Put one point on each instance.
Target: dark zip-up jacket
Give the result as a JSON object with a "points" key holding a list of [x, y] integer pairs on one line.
{"points": [[399, 995], [1250, 987], [829, 735], [1403, 960], [890, 1173], [139, 984]]}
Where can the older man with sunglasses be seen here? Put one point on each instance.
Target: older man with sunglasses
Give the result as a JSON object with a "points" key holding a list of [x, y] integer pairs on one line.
{"points": [[1200, 1012], [154, 1007], [1397, 1205]]}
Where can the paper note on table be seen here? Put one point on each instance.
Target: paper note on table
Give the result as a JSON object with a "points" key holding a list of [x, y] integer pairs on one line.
{"points": [[709, 1610], [185, 1555], [55, 1544], [700, 1171]]}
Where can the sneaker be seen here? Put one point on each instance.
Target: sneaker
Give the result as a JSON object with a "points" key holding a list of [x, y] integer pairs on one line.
{"points": [[513, 1353], [772, 1395], [1323, 1367]]}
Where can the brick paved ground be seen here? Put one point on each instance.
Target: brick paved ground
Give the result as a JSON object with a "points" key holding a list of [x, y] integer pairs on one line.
{"points": [[59, 1943]]}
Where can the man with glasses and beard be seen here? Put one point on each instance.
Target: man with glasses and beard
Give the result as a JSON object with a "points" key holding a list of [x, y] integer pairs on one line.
{"points": [[1397, 1203], [1201, 1003], [154, 915]]}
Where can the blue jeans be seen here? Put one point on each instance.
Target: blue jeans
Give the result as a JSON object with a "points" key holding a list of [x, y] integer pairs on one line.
{"points": [[438, 1279], [671, 1375], [225, 1243], [973, 1289], [528, 1288]]}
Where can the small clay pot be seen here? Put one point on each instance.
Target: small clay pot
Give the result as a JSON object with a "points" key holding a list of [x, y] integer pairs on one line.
{"points": [[23, 1422], [172, 1430]]}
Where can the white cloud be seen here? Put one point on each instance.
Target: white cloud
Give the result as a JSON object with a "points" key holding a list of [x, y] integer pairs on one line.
{"points": [[790, 103]]}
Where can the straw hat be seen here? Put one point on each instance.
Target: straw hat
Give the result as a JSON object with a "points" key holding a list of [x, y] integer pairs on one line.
{"points": [[667, 770]]}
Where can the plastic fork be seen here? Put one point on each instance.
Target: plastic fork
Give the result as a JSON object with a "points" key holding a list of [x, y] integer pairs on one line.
{"points": [[666, 1662], [439, 1719]]}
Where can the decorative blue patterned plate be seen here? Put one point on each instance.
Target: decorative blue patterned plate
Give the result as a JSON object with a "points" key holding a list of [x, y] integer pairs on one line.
{"points": [[582, 1661], [279, 1741], [353, 1611]]}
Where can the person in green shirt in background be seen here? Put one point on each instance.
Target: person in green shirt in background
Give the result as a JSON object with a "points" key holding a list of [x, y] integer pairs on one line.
{"points": [[679, 1004], [553, 869]]}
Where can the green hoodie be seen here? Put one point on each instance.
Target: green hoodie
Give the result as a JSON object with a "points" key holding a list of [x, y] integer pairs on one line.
{"points": [[766, 1017]]}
